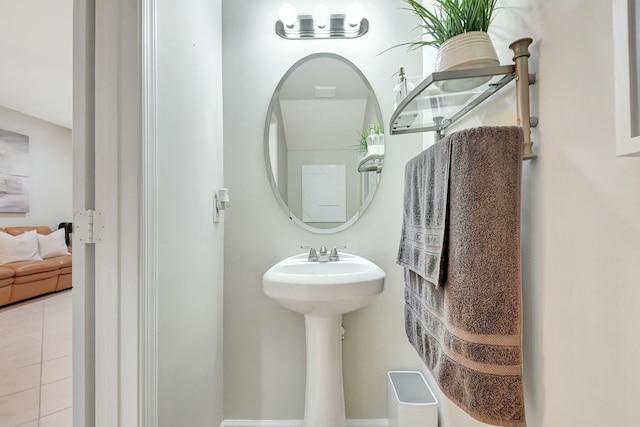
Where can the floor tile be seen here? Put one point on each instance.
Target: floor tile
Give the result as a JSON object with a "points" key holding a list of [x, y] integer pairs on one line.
{"points": [[55, 397], [57, 325], [18, 342], [19, 324], [18, 327], [56, 329], [56, 369], [63, 418], [64, 298], [56, 349], [17, 358], [57, 310], [19, 379], [21, 308], [18, 408], [31, 332]]}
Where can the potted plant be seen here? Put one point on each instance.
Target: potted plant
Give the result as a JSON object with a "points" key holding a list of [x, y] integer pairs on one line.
{"points": [[458, 29], [361, 148], [371, 141]]}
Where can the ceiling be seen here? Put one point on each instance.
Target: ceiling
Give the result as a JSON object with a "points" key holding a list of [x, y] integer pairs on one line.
{"points": [[36, 60], [326, 123], [324, 72]]}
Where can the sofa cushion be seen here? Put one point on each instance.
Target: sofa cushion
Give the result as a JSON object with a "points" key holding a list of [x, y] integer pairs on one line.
{"points": [[52, 244], [5, 294], [30, 278], [19, 248], [62, 261], [6, 282], [6, 272], [26, 268], [20, 292], [40, 229]]}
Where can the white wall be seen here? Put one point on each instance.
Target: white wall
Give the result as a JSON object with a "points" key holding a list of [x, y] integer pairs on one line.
{"points": [[583, 271], [581, 206], [49, 170], [189, 164], [263, 342], [580, 225]]}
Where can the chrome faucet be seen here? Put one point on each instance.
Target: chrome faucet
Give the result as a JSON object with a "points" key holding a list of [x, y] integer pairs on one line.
{"points": [[313, 255], [323, 255], [334, 253]]}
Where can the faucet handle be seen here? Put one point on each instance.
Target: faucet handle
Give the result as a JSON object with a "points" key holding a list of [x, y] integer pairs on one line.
{"points": [[313, 255], [323, 250], [334, 253]]}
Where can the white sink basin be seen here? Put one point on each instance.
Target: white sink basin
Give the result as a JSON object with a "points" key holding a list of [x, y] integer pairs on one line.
{"points": [[324, 288], [323, 291]]}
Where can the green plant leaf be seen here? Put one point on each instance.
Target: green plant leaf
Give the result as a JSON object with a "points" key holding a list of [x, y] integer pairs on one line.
{"points": [[362, 141], [448, 19]]}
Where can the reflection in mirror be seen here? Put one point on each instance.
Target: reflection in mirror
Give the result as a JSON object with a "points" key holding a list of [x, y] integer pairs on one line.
{"points": [[324, 143]]}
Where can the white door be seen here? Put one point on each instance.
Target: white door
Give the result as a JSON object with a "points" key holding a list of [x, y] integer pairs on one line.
{"points": [[129, 356], [83, 199], [106, 145]]}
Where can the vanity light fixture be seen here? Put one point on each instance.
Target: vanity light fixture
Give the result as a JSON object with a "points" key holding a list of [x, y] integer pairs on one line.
{"points": [[288, 15], [321, 18], [355, 14], [322, 24]]}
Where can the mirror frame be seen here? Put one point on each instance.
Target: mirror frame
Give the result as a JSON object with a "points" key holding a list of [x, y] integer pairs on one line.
{"points": [[363, 207]]}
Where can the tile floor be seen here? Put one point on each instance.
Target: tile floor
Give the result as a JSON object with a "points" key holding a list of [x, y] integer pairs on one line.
{"points": [[35, 363]]}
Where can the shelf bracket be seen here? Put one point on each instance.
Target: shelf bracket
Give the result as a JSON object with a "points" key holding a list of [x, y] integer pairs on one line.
{"points": [[521, 58], [438, 122]]}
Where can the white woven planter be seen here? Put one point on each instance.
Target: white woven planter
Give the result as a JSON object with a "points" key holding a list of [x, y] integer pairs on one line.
{"points": [[468, 50]]}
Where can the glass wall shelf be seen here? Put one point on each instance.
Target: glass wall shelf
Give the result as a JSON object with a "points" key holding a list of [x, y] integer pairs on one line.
{"points": [[371, 163], [444, 97]]}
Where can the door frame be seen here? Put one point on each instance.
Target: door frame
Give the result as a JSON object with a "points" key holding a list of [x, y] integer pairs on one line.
{"points": [[114, 311]]}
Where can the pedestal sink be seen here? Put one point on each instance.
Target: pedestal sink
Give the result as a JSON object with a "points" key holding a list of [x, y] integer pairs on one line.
{"points": [[323, 291]]}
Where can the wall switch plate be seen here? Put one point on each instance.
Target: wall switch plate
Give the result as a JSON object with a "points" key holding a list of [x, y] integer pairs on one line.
{"points": [[216, 211], [220, 203]]}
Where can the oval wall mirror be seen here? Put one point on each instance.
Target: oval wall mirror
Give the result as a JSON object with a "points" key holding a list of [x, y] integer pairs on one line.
{"points": [[324, 143]]}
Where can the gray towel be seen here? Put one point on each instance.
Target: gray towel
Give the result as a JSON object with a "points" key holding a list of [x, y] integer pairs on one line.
{"points": [[426, 192], [468, 332]]}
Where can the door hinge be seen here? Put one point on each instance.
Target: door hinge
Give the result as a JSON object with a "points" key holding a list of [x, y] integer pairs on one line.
{"points": [[88, 227]]}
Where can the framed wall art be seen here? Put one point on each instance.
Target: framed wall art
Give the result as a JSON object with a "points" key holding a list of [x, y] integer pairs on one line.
{"points": [[14, 172]]}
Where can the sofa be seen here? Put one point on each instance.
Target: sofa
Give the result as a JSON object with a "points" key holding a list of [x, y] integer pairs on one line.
{"points": [[33, 270]]}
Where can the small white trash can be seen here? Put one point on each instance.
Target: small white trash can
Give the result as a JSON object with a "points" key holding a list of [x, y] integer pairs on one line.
{"points": [[411, 401]]}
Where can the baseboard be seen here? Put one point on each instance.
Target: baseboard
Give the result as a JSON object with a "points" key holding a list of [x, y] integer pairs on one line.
{"points": [[380, 422], [261, 423], [299, 423]]}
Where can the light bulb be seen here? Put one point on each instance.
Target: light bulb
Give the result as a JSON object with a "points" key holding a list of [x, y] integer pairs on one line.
{"points": [[355, 13], [321, 16], [288, 15]]}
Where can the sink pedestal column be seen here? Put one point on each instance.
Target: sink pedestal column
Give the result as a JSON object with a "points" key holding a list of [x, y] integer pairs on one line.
{"points": [[324, 397]]}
